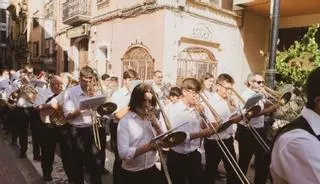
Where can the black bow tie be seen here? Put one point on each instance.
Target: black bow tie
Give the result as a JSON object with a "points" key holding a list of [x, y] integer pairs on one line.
{"points": [[318, 136]]}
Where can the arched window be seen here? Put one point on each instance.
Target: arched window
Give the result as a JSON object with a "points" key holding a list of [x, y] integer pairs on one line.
{"points": [[139, 59], [195, 62]]}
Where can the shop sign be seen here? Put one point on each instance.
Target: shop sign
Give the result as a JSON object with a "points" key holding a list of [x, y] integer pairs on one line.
{"points": [[82, 30]]}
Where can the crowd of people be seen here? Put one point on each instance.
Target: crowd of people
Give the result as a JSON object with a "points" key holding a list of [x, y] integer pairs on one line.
{"points": [[208, 113]]}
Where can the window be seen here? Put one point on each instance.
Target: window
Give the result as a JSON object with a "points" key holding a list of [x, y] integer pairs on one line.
{"points": [[49, 11], [3, 36], [49, 46], [195, 62], [35, 49], [3, 17]]}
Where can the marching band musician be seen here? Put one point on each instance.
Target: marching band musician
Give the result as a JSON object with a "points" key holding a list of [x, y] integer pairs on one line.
{"points": [[225, 107], [84, 148], [184, 160], [23, 110], [121, 98], [295, 156], [248, 145], [52, 134], [134, 134], [207, 82]]}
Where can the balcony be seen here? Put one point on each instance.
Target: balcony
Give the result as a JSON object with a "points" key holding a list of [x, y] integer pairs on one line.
{"points": [[75, 12]]}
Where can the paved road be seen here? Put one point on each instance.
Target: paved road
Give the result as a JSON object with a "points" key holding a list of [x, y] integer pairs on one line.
{"points": [[14, 170]]}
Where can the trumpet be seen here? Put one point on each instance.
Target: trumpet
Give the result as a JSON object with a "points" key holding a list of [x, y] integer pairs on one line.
{"points": [[280, 98]]}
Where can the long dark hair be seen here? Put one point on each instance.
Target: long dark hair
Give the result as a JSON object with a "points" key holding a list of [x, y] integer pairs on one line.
{"points": [[138, 96]]}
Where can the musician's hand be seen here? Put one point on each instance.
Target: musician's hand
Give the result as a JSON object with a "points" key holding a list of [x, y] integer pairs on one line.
{"points": [[39, 107], [152, 145]]}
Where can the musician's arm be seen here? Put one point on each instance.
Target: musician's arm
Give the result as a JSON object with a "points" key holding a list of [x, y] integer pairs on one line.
{"points": [[269, 108], [202, 133], [127, 152], [69, 109]]}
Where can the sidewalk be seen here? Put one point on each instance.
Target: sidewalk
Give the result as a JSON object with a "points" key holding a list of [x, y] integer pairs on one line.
{"points": [[14, 170]]}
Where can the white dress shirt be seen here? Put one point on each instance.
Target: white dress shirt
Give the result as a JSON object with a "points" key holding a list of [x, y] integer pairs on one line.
{"points": [[132, 133], [220, 105], [295, 157], [256, 122], [178, 114], [42, 96], [72, 97], [121, 97]]}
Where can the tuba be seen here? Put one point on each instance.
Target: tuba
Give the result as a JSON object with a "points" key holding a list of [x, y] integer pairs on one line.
{"points": [[57, 117]]}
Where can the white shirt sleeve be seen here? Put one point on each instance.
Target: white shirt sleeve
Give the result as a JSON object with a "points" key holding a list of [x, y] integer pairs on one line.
{"points": [[68, 106], [126, 152], [300, 161]]}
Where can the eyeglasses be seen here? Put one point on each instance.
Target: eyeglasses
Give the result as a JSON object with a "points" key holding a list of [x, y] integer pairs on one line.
{"points": [[259, 82], [226, 88], [193, 92]]}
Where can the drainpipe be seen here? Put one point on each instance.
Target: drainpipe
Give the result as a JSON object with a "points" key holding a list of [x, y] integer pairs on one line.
{"points": [[271, 71]]}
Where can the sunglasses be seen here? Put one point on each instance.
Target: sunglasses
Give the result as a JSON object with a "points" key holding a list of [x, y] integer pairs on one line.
{"points": [[259, 82]]}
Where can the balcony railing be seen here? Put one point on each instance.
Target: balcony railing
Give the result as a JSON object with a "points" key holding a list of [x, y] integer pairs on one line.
{"points": [[75, 12]]}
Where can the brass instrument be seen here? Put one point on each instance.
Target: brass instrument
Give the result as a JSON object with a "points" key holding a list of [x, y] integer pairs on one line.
{"points": [[29, 93], [222, 126], [233, 163], [254, 132], [280, 98], [57, 117], [169, 138]]}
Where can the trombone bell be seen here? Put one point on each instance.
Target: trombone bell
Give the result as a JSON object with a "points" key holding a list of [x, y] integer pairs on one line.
{"points": [[173, 139]]}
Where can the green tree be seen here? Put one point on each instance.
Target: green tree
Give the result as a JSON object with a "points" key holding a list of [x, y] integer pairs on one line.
{"points": [[294, 64]]}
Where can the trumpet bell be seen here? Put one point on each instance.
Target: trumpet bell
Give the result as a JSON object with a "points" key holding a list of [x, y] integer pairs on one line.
{"points": [[173, 139], [106, 108]]}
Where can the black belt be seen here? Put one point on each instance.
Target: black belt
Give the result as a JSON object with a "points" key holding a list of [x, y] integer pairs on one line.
{"points": [[185, 155]]}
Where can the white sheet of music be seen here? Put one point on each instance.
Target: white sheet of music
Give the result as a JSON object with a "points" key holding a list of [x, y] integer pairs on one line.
{"points": [[92, 102]]}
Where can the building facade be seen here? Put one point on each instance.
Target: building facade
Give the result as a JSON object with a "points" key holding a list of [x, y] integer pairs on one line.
{"points": [[183, 38]]}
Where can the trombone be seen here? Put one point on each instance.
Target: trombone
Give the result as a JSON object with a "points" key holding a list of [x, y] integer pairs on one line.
{"points": [[281, 98], [233, 163], [254, 132], [169, 138]]}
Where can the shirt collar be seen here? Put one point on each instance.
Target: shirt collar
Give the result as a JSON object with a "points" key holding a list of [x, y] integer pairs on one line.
{"points": [[183, 106], [313, 119], [79, 91]]}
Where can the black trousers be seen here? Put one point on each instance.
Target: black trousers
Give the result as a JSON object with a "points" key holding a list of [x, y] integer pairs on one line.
{"points": [[85, 152], [35, 125], [21, 126], [50, 137], [183, 167], [117, 171], [248, 146], [213, 157], [147, 176]]}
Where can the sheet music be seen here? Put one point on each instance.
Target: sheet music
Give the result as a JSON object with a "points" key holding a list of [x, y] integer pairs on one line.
{"points": [[92, 102]]}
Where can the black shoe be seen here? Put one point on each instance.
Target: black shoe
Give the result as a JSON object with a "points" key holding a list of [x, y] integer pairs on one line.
{"points": [[22, 155], [47, 177]]}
